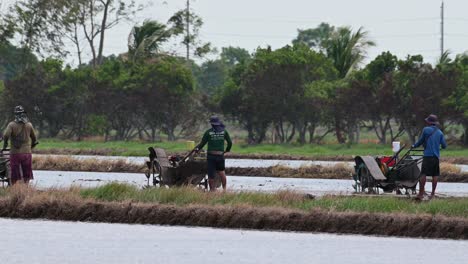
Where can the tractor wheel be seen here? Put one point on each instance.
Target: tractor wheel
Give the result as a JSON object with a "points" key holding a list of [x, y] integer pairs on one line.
{"points": [[156, 173], [368, 184]]}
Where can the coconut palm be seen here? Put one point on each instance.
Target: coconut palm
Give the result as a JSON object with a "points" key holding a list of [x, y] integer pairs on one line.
{"points": [[145, 41], [347, 49]]}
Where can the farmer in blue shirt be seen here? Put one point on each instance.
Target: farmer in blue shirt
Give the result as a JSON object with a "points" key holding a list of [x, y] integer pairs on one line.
{"points": [[431, 138]]}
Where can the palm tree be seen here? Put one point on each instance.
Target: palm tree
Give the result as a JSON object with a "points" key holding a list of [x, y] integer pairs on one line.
{"points": [[444, 59], [145, 41], [347, 49]]}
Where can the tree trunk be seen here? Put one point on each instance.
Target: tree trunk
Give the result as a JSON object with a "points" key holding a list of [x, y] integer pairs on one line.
{"points": [[311, 133], [339, 131], [153, 134], [103, 30], [293, 133], [77, 43], [302, 133]]}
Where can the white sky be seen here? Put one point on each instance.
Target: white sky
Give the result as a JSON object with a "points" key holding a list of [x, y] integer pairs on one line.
{"points": [[400, 26]]}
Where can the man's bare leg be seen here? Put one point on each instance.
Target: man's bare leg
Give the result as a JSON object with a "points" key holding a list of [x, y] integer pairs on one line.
{"points": [[422, 184], [434, 185], [222, 174], [211, 183]]}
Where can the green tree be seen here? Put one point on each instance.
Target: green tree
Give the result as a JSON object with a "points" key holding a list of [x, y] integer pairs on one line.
{"points": [[458, 100], [378, 80], [39, 23], [145, 41], [270, 90], [315, 38], [347, 49], [95, 17], [422, 90], [234, 55], [211, 76], [31, 89], [188, 23], [166, 90], [13, 61]]}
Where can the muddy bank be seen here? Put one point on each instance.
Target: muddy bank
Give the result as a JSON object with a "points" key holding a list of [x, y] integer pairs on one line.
{"points": [[113, 152], [95, 165], [35, 205], [450, 173], [310, 172]]}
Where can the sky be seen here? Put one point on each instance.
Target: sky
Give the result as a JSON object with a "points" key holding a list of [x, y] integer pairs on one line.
{"points": [[400, 26]]}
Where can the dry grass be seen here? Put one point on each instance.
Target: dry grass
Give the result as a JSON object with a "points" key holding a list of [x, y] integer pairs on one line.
{"points": [[449, 168], [74, 164], [25, 202]]}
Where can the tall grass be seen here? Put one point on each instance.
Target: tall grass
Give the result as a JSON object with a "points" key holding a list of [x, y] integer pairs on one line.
{"points": [[285, 199]]}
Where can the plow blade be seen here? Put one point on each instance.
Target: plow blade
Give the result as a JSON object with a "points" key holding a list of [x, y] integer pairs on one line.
{"points": [[372, 166]]}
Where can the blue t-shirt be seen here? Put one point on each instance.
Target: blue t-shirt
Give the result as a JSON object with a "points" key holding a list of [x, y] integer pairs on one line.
{"points": [[432, 138]]}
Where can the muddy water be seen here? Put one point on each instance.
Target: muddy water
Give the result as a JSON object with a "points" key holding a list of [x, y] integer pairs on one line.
{"points": [[243, 163], [64, 179], [33, 241]]}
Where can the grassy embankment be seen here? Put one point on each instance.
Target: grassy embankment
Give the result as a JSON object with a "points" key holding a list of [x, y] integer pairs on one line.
{"points": [[132, 148], [453, 207], [116, 192], [116, 203]]}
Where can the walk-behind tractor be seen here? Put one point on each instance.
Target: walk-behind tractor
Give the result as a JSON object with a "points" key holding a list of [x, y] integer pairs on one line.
{"points": [[388, 173], [178, 170]]}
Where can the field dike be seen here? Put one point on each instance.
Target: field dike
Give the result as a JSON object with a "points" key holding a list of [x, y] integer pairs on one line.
{"points": [[28, 203], [450, 173], [92, 165], [114, 152]]}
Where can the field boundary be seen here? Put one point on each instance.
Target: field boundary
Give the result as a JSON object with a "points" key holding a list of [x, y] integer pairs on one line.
{"points": [[237, 217]]}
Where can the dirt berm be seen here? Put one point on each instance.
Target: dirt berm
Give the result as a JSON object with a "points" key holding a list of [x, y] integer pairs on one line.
{"points": [[74, 209], [111, 152]]}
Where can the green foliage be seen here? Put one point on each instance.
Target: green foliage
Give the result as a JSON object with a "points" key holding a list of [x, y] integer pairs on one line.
{"points": [[191, 39], [96, 125], [14, 61], [234, 55], [315, 38], [271, 89], [145, 41], [347, 49]]}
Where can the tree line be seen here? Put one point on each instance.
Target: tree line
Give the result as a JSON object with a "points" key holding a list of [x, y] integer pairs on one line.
{"points": [[314, 87]]}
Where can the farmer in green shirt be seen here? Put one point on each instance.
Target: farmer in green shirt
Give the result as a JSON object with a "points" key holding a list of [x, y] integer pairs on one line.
{"points": [[215, 137]]}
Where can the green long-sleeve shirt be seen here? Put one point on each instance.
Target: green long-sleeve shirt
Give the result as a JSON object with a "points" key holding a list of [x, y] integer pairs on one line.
{"points": [[216, 140]]}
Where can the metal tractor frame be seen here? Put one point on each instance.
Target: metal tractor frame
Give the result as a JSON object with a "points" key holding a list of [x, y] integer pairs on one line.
{"points": [[388, 173]]}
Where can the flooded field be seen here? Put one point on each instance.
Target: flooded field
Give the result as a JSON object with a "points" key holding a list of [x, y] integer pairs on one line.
{"points": [[64, 179], [242, 163], [33, 241]]}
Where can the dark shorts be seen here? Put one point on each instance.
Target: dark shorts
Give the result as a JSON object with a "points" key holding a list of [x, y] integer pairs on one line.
{"points": [[215, 163], [21, 167], [430, 166]]}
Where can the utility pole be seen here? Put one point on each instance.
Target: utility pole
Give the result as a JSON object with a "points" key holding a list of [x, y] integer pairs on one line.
{"points": [[188, 30], [442, 30]]}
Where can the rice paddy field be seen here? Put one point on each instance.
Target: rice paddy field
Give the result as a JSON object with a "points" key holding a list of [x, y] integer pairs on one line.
{"points": [[134, 148]]}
